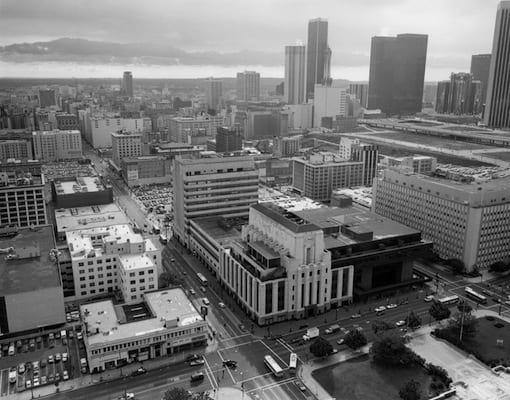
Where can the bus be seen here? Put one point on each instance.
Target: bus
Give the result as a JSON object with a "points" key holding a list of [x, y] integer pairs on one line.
{"points": [[293, 361], [273, 366], [475, 295], [202, 279], [449, 300]]}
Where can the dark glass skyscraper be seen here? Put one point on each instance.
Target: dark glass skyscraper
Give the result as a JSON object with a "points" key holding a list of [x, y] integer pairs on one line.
{"points": [[497, 107], [397, 72], [127, 84], [480, 66], [318, 54]]}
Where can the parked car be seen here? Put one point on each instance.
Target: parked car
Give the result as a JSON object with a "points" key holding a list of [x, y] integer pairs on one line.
{"points": [[139, 371], [21, 368], [203, 289], [380, 309], [199, 376], [58, 357], [65, 375], [390, 306], [64, 357], [199, 361], [51, 359], [230, 363], [400, 323], [428, 298], [221, 305], [36, 381], [193, 357], [192, 292]]}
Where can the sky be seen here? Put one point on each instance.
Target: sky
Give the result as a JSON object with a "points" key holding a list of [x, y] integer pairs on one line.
{"points": [[456, 28]]}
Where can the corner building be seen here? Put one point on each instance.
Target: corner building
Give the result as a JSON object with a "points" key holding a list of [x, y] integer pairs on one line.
{"points": [[464, 221]]}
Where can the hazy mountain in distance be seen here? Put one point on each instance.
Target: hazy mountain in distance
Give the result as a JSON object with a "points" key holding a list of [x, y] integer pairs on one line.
{"points": [[82, 50]]}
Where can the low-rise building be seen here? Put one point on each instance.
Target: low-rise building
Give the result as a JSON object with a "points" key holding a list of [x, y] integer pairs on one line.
{"points": [[145, 170], [80, 191], [31, 294], [162, 324], [103, 258]]}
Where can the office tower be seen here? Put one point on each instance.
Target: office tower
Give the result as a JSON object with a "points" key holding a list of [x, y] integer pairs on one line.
{"points": [[248, 86], [466, 221], [22, 194], [57, 145], [317, 54], [360, 90], [295, 74], [47, 98], [328, 102], [222, 186], [355, 150], [397, 71], [317, 175], [229, 139], [480, 67], [213, 93], [127, 84], [442, 97], [497, 106], [460, 98], [125, 144]]}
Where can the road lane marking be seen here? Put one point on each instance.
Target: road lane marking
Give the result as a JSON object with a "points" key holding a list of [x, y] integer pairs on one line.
{"points": [[271, 384], [208, 369], [276, 355]]}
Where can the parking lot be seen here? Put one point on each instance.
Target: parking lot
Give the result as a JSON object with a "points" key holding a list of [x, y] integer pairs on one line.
{"points": [[40, 359], [154, 198]]}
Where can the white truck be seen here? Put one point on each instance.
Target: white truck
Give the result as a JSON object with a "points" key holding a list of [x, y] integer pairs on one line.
{"points": [[311, 333]]}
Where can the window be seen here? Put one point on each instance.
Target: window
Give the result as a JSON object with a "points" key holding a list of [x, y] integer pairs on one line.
{"points": [[131, 274]]}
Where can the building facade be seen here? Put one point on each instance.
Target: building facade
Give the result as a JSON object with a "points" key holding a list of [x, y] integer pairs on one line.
{"points": [[229, 139], [397, 71], [224, 186], [497, 109], [214, 93], [464, 221], [318, 54], [480, 67], [248, 86], [328, 102], [317, 175], [18, 149], [57, 145], [125, 144], [360, 91], [127, 84], [295, 75], [146, 170], [184, 129], [166, 323]]}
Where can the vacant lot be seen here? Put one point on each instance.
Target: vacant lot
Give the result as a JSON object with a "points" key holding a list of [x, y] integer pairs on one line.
{"points": [[360, 379], [504, 155]]}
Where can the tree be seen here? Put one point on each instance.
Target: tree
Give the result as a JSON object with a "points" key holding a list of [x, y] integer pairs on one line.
{"points": [[439, 311], [413, 321], [467, 321], [355, 339], [167, 279], [410, 391], [457, 265], [392, 352], [320, 347], [499, 266], [177, 393], [381, 326], [464, 307]]}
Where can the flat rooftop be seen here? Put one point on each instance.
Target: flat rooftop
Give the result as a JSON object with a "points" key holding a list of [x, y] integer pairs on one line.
{"points": [[30, 273], [81, 244], [132, 262], [80, 184], [113, 323], [70, 219], [219, 228]]}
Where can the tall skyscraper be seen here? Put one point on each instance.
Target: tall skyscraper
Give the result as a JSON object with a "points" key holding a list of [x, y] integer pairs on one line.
{"points": [[213, 93], [480, 66], [497, 107], [360, 90], [397, 72], [295, 74], [127, 84], [318, 54], [248, 86]]}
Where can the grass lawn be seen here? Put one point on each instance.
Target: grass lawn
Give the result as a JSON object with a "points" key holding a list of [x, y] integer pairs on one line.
{"points": [[484, 343], [360, 379]]}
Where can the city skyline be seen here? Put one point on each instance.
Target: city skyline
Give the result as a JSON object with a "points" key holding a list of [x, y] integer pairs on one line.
{"points": [[250, 32]]}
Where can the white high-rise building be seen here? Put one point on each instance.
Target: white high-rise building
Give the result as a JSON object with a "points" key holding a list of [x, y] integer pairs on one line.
{"points": [[328, 102], [125, 144], [57, 145], [248, 86], [295, 75]]}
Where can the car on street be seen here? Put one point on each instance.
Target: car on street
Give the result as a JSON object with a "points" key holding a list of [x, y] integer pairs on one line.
{"points": [[428, 298], [193, 357], [203, 289], [192, 292], [400, 323], [390, 306], [139, 371], [127, 396], [230, 363], [206, 301], [380, 309], [79, 336], [199, 376], [300, 385], [194, 363], [221, 305], [340, 342], [355, 316], [334, 351]]}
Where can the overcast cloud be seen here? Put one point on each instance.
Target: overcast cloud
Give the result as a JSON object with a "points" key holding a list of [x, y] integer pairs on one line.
{"points": [[456, 28]]}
